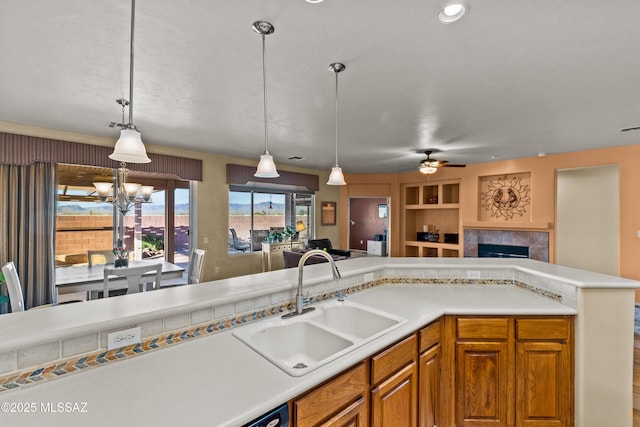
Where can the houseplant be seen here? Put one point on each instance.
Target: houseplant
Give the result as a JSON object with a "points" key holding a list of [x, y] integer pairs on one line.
{"points": [[122, 257]]}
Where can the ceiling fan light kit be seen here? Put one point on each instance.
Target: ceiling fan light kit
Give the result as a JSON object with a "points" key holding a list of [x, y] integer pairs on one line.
{"points": [[336, 177], [266, 167], [429, 166], [451, 12]]}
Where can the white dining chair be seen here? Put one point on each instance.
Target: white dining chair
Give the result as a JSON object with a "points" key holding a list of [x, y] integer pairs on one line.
{"points": [[196, 263], [136, 281], [13, 286], [100, 257], [194, 272]]}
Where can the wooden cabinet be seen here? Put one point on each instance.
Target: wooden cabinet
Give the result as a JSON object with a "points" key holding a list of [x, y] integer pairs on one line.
{"points": [[510, 371], [394, 375], [483, 378], [474, 371], [544, 372], [342, 401], [429, 394], [435, 203]]}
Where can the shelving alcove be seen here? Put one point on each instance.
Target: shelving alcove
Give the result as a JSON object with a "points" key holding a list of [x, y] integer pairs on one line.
{"points": [[435, 203]]}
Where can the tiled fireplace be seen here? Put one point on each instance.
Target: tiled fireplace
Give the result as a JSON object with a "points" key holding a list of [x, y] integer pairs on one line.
{"points": [[536, 241]]}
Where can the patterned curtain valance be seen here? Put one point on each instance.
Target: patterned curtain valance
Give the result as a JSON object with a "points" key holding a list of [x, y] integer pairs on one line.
{"points": [[24, 150], [243, 175]]}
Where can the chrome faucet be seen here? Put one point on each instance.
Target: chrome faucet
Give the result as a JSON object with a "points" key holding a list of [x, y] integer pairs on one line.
{"points": [[300, 300]]}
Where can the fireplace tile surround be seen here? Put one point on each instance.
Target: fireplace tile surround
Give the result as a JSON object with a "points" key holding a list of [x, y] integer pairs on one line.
{"points": [[537, 241]]}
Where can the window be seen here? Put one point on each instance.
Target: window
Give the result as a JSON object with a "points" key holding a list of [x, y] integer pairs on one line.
{"points": [[256, 216], [158, 229]]}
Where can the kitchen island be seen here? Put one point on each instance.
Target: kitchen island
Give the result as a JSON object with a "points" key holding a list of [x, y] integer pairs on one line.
{"points": [[217, 380]]}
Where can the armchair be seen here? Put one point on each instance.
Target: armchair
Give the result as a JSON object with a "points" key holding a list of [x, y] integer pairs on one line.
{"points": [[325, 244]]}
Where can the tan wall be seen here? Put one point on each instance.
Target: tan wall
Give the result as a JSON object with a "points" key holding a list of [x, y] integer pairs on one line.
{"points": [[213, 199], [543, 194], [213, 208]]}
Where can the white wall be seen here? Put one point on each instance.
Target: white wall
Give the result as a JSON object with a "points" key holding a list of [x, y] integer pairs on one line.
{"points": [[587, 218]]}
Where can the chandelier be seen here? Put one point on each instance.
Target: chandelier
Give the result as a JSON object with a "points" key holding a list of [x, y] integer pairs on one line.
{"points": [[127, 194]]}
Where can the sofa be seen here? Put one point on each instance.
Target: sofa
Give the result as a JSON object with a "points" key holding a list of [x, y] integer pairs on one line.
{"points": [[292, 258], [325, 245]]}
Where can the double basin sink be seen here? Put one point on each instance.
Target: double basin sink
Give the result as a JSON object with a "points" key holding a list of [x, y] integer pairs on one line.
{"points": [[300, 344]]}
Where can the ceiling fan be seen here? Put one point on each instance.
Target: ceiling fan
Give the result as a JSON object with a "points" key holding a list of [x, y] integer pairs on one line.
{"points": [[430, 165]]}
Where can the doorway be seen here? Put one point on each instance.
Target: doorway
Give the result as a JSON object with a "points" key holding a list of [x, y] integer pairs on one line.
{"points": [[368, 220], [587, 215]]}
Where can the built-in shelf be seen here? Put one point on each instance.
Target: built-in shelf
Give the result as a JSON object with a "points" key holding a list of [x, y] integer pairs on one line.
{"points": [[435, 204]]}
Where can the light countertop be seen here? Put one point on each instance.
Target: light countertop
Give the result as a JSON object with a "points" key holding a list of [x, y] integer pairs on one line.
{"points": [[218, 381], [24, 329]]}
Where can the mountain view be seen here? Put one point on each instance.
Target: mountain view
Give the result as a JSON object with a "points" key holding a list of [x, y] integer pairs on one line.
{"points": [[72, 208]]}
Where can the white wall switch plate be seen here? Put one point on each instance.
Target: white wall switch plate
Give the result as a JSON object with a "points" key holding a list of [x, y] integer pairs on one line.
{"points": [[123, 338], [473, 274]]}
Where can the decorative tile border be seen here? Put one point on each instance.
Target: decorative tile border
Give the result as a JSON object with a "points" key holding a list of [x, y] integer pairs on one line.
{"points": [[99, 358]]}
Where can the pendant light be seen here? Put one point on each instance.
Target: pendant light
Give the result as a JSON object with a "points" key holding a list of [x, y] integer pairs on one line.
{"points": [[336, 177], [129, 147], [266, 166]]}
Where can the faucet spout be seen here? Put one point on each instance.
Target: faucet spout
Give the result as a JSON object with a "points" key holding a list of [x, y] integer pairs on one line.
{"points": [[299, 298]]}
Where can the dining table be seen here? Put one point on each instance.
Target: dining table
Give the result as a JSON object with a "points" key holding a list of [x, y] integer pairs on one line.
{"points": [[83, 278]]}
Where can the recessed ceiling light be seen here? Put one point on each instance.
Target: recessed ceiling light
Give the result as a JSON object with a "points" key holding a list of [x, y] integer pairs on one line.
{"points": [[451, 13], [314, 1]]}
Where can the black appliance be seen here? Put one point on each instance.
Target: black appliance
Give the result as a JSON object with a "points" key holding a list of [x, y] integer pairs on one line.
{"points": [[428, 237], [451, 238], [502, 251], [278, 417]]}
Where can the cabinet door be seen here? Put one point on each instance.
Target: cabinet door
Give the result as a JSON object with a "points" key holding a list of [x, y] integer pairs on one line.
{"points": [[354, 415], [333, 400], [394, 401], [482, 384], [429, 388], [543, 384]]}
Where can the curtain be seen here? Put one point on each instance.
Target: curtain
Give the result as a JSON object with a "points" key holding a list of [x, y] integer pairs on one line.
{"points": [[27, 227]]}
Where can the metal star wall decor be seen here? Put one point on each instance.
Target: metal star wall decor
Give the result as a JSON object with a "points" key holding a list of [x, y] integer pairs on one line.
{"points": [[506, 197]]}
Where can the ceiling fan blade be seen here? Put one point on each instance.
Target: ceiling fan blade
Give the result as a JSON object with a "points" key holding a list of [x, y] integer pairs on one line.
{"points": [[448, 165]]}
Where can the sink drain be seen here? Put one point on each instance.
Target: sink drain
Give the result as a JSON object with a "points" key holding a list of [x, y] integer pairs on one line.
{"points": [[300, 366]]}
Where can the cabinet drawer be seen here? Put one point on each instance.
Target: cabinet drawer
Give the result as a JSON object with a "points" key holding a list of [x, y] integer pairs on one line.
{"points": [[393, 359], [327, 399], [429, 336], [483, 328], [549, 329]]}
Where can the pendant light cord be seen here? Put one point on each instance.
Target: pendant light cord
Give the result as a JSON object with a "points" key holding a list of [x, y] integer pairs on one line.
{"points": [[336, 118], [133, 15], [264, 86]]}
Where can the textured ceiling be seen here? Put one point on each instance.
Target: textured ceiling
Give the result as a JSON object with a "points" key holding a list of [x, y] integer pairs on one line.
{"points": [[511, 79]]}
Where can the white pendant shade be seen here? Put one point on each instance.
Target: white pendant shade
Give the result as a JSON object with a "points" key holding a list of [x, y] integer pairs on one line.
{"points": [[103, 189], [336, 177], [129, 148], [266, 167]]}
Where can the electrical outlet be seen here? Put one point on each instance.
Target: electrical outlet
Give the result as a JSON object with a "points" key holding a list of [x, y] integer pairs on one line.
{"points": [[473, 274], [368, 277], [123, 338], [217, 269]]}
